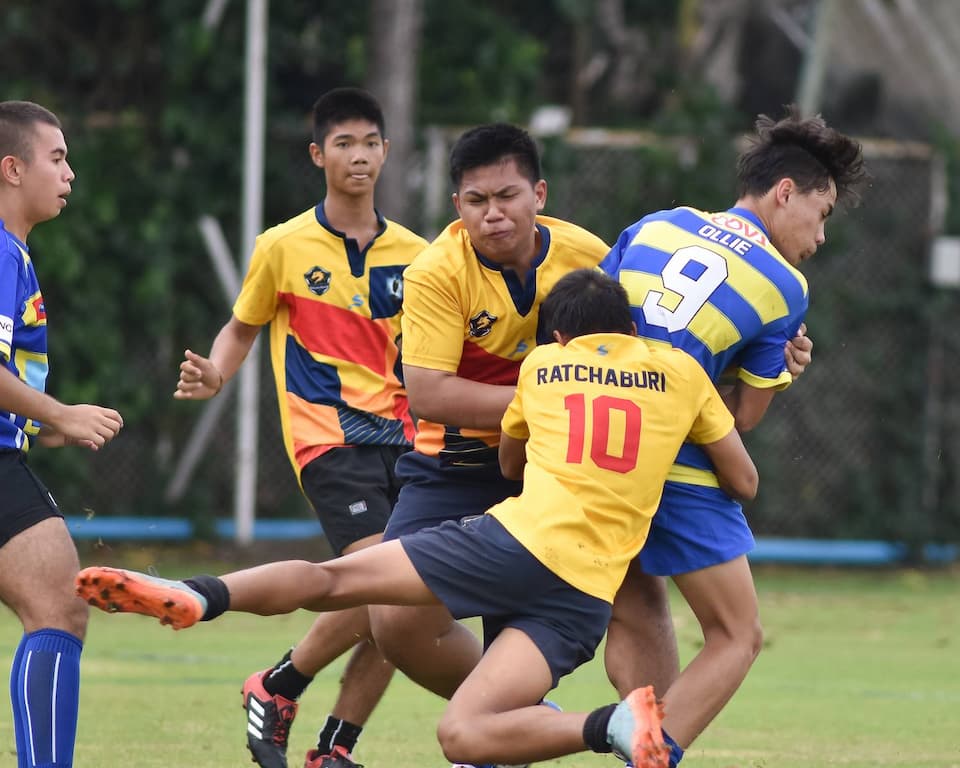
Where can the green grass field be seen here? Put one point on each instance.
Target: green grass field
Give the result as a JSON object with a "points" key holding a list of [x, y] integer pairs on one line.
{"points": [[860, 670]]}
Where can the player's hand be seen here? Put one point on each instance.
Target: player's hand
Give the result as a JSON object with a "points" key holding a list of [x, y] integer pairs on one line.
{"points": [[798, 352], [89, 426], [199, 378]]}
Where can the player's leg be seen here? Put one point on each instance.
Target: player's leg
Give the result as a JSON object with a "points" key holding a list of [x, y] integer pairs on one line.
{"points": [[38, 562], [495, 716], [700, 536], [641, 620], [379, 574], [352, 490], [724, 600], [538, 628], [426, 644]]}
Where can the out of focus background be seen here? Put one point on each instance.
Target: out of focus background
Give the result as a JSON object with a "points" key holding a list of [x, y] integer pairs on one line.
{"points": [[188, 124]]}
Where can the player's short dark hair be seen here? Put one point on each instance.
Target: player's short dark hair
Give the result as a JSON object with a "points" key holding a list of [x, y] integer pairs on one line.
{"points": [[493, 143], [806, 150], [342, 104], [584, 301], [17, 122]]}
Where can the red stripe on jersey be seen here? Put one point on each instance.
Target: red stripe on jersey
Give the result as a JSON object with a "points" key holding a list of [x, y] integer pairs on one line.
{"points": [[477, 364], [339, 333]]}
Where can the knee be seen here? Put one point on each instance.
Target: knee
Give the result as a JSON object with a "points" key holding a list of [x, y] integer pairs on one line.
{"points": [[746, 634], [454, 737], [391, 629], [69, 614]]}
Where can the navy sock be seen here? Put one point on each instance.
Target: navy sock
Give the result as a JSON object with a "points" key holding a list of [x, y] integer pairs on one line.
{"points": [[676, 752], [46, 696], [216, 592], [286, 680], [595, 728], [337, 733]]}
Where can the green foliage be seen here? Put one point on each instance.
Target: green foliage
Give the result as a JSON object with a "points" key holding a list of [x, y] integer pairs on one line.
{"points": [[479, 63]]}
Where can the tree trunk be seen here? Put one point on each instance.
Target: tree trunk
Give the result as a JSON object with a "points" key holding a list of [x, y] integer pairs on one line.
{"points": [[395, 27]]}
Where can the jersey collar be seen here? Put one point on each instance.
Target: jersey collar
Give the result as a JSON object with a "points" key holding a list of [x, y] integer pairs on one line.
{"points": [[750, 216]]}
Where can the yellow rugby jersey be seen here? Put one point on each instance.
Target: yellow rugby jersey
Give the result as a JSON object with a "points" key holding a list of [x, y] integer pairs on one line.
{"points": [[604, 417], [334, 314], [465, 314]]}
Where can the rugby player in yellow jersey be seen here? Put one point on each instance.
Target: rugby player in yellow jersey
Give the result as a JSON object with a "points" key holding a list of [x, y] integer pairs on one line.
{"points": [[329, 284], [470, 308], [597, 420]]}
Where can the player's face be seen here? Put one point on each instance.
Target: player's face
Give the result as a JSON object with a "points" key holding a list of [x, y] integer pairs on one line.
{"points": [[798, 226], [46, 178], [498, 206], [352, 155]]}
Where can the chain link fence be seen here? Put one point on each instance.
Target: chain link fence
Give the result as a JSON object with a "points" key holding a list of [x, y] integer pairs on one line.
{"points": [[863, 446]]}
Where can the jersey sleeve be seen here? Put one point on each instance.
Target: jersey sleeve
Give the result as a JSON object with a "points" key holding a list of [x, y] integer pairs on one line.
{"points": [[432, 322], [257, 302], [761, 363], [9, 283], [611, 262], [714, 420]]}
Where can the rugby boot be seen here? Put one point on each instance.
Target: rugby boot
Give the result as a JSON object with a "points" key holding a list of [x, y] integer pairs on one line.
{"points": [[269, 719]]}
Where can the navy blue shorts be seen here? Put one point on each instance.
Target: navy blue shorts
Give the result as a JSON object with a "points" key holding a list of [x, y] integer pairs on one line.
{"points": [[478, 569], [352, 490], [434, 492], [24, 500], [695, 527]]}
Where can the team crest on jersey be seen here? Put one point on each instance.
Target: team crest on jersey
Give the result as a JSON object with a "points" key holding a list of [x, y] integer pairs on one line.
{"points": [[318, 280], [481, 324]]}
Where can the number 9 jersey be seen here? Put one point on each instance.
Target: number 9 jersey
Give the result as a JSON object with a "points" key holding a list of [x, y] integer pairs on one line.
{"points": [[713, 285]]}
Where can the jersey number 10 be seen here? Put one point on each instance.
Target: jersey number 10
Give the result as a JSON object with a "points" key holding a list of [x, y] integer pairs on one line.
{"points": [[601, 408]]}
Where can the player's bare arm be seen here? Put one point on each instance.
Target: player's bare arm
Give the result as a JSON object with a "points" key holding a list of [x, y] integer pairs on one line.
{"points": [[735, 469], [203, 377], [747, 403], [92, 426], [445, 398], [798, 352], [513, 457]]}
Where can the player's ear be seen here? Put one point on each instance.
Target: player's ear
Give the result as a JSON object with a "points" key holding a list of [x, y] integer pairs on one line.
{"points": [[316, 154], [785, 187], [10, 170], [540, 193]]}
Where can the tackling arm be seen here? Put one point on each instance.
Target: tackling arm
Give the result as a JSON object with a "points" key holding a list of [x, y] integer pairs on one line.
{"points": [[735, 469], [445, 398]]}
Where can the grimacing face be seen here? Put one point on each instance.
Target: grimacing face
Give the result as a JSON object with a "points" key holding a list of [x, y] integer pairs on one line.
{"points": [[798, 226], [498, 207]]}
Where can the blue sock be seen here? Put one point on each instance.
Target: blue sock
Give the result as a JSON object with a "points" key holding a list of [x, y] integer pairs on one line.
{"points": [[676, 753], [45, 690], [18, 732]]}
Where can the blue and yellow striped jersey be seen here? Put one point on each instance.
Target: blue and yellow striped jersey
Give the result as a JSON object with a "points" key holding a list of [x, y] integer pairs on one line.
{"points": [[23, 333], [713, 285]]}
